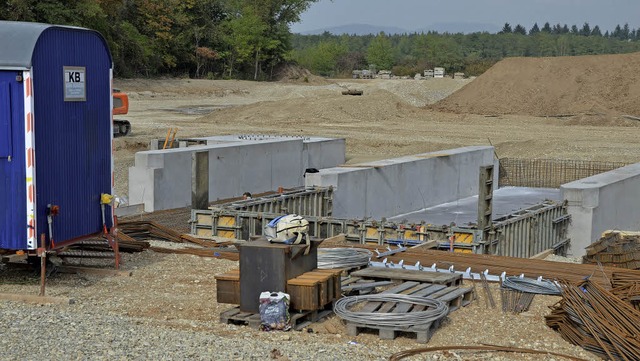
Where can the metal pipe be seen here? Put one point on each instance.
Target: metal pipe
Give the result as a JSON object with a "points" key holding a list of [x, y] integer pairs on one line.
{"points": [[42, 252]]}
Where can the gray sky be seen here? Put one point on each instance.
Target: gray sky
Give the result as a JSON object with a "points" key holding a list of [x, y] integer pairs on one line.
{"points": [[416, 14]]}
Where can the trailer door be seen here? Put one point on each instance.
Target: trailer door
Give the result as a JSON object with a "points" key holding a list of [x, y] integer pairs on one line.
{"points": [[13, 208]]}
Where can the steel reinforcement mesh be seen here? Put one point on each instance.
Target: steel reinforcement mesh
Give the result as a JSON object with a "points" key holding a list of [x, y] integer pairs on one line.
{"points": [[549, 173]]}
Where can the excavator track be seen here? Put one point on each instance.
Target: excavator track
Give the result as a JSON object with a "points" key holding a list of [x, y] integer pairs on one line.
{"points": [[121, 127]]}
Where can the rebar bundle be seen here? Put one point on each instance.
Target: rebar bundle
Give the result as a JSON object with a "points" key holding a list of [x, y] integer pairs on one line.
{"points": [[330, 258], [433, 310], [529, 285], [515, 301], [593, 318]]}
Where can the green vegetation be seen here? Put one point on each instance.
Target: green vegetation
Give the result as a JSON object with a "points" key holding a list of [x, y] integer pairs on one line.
{"points": [[242, 39], [408, 54], [249, 39]]}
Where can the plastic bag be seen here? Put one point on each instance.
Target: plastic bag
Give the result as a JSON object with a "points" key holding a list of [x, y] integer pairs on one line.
{"points": [[274, 311]]}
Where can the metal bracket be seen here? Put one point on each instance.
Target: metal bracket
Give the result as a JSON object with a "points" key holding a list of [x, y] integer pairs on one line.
{"points": [[390, 251]]}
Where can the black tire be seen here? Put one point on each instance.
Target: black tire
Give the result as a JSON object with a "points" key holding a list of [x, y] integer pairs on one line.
{"points": [[125, 129]]}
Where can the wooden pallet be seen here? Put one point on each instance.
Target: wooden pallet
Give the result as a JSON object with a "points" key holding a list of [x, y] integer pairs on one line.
{"points": [[299, 320], [382, 273], [454, 296], [358, 286]]}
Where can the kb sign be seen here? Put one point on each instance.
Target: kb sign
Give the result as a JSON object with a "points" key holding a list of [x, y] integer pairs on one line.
{"points": [[75, 84]]}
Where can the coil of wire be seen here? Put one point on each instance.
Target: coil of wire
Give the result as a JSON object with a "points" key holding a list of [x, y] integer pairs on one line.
{"points": [[434, 310], [529, 285], [329, 258]]}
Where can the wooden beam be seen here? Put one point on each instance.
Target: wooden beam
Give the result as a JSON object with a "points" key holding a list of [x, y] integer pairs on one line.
{"points": [[36, 299], [543, 254]]}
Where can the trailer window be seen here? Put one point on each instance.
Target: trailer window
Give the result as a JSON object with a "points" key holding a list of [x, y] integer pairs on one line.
{"points": [[5, 121]]}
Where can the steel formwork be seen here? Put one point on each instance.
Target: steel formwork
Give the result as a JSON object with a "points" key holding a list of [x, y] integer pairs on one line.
{"points": [[521, 234]]}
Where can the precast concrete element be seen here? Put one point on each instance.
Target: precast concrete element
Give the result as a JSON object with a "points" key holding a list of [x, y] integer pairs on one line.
{"points": [[317, 152], [602, 202], [323, 152], [396, 186], [162, 179]]}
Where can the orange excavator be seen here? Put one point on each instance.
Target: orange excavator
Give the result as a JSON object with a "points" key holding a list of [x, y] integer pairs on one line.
{"points": [[121, 127]]}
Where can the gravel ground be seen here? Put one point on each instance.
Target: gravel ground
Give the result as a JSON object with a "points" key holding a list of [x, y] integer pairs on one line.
{"points": [[167, 311]]}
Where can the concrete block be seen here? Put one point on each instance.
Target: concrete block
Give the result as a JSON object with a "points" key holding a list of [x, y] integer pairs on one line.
{"points": [[602, 202]]}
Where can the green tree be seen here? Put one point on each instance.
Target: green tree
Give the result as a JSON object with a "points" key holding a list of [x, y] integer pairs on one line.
{"points": [[506, 29], [245, 36], [534, 29], [519, 29], [380, 52]]}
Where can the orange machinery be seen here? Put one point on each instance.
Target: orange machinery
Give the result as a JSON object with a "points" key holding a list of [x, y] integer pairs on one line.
{"points": [[121, 127]]}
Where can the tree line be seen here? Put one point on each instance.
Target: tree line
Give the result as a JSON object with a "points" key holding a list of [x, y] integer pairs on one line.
{"points": [[407, 54], [250, 39], [242, 39]]}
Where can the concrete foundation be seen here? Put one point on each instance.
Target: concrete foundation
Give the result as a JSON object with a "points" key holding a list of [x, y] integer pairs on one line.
{"points": [[162, 179], [602, 202], [407, 184]]}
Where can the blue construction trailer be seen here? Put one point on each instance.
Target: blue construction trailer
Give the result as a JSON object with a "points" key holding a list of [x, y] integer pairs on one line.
{"points": [[55, 135]]}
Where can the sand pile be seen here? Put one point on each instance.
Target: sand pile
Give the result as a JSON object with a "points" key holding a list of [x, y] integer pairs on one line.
{"points": [[560, 86]]}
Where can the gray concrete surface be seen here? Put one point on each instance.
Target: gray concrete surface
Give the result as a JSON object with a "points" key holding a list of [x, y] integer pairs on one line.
{"points": [[602, 202], [162, 179], [464, 211], [406, 184]]}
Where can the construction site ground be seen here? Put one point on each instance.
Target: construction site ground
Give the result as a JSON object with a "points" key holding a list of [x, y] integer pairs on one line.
{"points": [[167, 308]]}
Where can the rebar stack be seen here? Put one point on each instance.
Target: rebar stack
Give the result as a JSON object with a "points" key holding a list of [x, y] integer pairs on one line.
{"points": [[615, 249], [593, 318]]}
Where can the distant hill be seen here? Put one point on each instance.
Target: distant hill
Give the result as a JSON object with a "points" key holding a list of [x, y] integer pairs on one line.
{"points": [[357, 29], [366, 29]]}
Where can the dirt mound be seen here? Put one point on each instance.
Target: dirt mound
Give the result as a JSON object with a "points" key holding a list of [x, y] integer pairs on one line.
{"points": [[596, 85], [292, 73]]}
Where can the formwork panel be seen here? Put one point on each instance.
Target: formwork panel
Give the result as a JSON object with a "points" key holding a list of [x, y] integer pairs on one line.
{"points": [[520, 234]]}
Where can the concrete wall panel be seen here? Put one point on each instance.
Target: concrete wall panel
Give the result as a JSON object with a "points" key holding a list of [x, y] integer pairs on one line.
{"points": [[161, 179], [602, 202], [405, 184], [322, 153]]}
